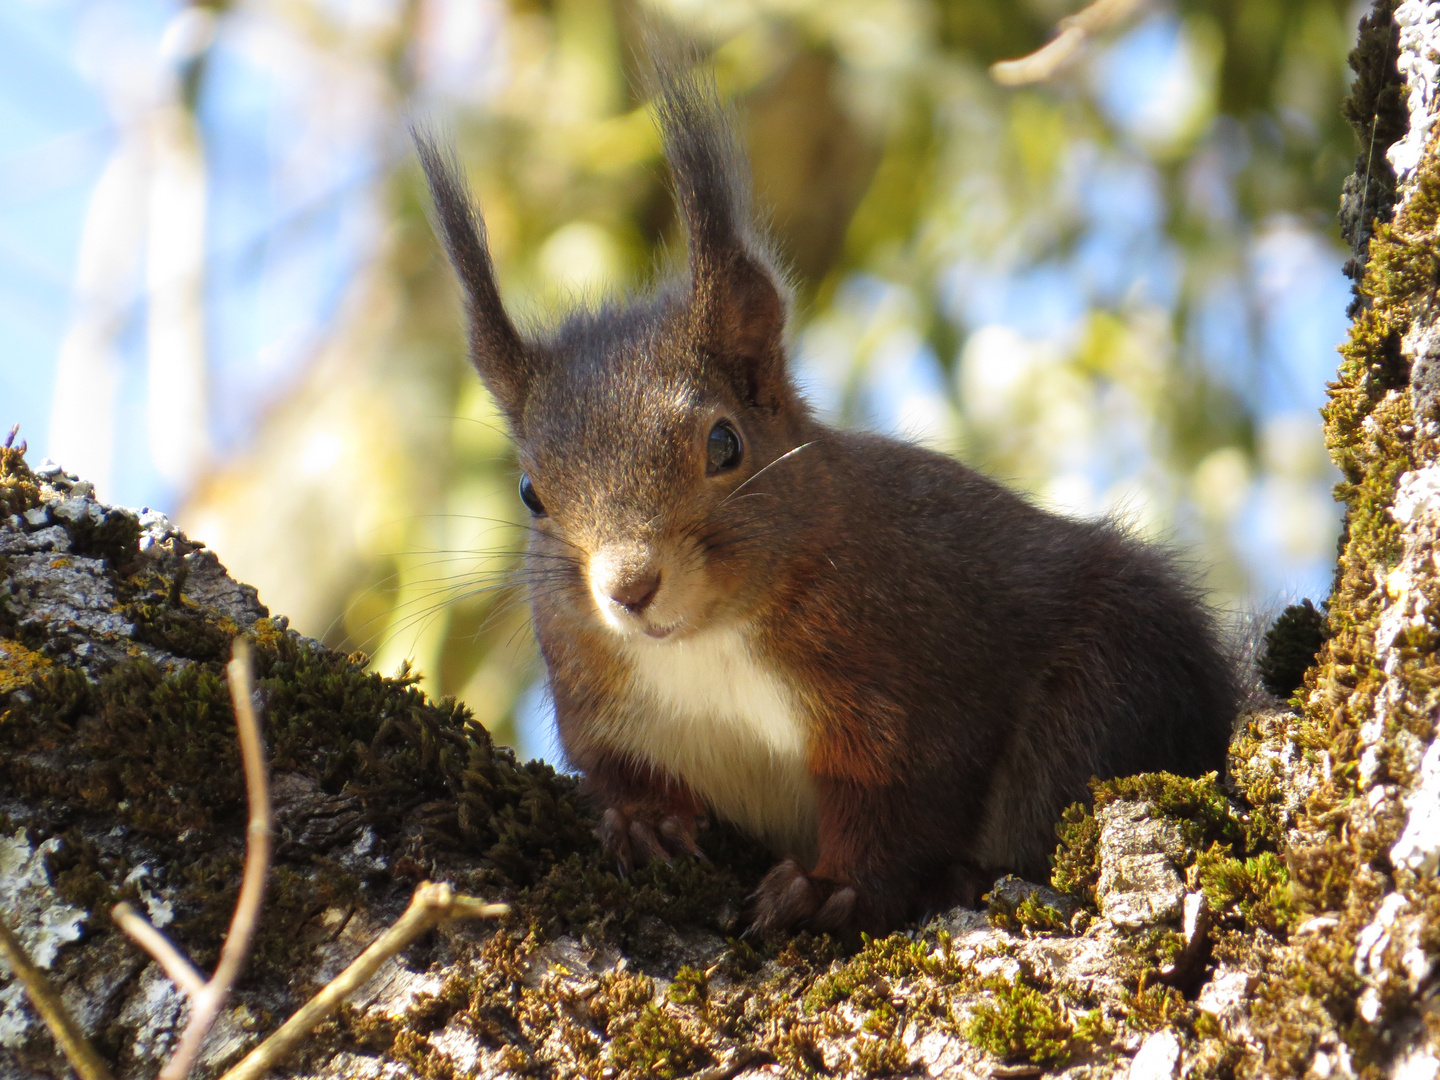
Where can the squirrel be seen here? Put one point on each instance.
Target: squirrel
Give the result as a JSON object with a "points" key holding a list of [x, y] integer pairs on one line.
{"points": [[893, 670]]}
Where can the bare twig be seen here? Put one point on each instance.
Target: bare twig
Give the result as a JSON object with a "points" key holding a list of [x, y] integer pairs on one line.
{"points": [[431, 905], [182, 973], [1074, 30], [207, 998], [737, 1061], [62, 1025]]}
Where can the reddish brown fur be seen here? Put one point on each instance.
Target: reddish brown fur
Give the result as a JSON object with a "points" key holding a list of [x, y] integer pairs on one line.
{"points": [[956, 662]]}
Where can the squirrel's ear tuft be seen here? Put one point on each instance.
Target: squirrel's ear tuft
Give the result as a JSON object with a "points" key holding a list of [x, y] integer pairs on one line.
{"points": [[506, 365], [737, 298]]}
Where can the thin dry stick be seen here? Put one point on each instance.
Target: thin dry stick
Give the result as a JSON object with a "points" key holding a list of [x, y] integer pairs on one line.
{"points": [[431, 905], [207, 998], [62, 1025], [182, 973], [1074, 29], [739, 1059]]}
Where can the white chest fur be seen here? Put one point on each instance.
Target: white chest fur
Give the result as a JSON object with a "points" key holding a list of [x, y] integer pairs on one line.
{"points": [[706, 710]]}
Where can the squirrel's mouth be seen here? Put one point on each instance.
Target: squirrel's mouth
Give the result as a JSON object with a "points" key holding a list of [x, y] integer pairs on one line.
{"points": [[653, 594]]}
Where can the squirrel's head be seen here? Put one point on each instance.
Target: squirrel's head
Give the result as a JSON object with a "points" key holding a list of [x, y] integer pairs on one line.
{"points": [[640, 426]]}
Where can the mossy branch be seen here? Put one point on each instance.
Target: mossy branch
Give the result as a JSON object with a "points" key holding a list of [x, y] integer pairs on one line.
{"points": [[430, 905]]}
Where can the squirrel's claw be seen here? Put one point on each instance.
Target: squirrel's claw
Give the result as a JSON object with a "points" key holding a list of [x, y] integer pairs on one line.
{"points": [[635, 841], [837, 914], [678, 835], [789, 896], [614, 834], [646, 844]]}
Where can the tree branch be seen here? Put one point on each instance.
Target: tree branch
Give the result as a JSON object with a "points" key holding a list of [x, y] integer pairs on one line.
{"points": [[1074, 30]]}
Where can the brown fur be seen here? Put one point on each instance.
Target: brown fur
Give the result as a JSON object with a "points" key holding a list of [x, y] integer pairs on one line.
{"points": [[955, 662]]}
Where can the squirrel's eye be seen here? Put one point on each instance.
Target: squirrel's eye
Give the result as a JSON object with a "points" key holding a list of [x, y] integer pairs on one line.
{"points": [[722, 449], [528, 496]]}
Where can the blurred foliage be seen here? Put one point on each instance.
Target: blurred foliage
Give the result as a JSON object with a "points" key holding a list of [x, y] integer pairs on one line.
{"points": [[901, 184]]}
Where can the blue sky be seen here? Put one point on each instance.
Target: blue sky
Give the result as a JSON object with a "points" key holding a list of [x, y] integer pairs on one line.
{"points": [[54, 135], [281, 248]]}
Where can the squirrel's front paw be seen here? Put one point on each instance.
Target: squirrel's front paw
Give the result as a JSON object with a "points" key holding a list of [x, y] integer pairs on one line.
{"points": [[635, 840], [789, 896]]}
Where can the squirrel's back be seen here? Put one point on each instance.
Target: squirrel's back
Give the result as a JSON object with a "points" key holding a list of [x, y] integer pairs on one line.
{"points": [[1050, 650]]}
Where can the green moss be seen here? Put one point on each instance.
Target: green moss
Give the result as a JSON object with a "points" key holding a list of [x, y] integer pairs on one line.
{"points": [[689, 987], [881, 1020], [1029, 914], [1036, 916], [796, 1048], [1155, 1005], [1156, 947], [583, 890], [164, 617], [1263, 775], [1256, 889], [881, 1056], [864, 980], [741, 959], [18, 488], [115, 538], [1077, 859], [1019, 1023], [658, 1045], [1094, 1027]]}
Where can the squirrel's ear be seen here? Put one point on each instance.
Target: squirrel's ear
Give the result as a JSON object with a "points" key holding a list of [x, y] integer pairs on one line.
{"points": [[506, 365], [737, 298], [742, 312]]}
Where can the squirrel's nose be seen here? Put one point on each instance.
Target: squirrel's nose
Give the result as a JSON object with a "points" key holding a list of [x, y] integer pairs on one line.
{"points": [[635, 594]]}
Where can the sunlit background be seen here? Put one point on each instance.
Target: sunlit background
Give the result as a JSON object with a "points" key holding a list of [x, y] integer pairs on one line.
{"points": [[1119, 289]]}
